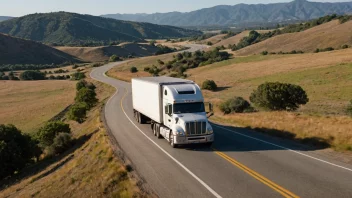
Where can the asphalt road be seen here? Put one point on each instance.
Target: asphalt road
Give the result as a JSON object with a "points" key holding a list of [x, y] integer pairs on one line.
{"points": [[242, 163]]}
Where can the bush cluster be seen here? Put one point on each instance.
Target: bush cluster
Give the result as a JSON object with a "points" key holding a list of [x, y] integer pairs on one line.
{"points": [[9, 67], [78, 76], [59, 77], [209, 85], [32, 75], [85, 99], [235, 105], [164, 50], [16, 150], [185, 60], [114, 58], [279, 96], [324, 49]]}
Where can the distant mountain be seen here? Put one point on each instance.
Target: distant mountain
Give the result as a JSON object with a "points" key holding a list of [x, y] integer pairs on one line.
{"points": [[4, 18], [242, 13], [75, 29], [19, 51]]}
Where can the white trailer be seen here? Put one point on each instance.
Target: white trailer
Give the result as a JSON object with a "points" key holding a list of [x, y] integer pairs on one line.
{"points": [[174, 107]]}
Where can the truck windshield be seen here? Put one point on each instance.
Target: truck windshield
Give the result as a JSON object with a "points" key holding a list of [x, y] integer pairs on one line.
{"points": [[189, 107]]}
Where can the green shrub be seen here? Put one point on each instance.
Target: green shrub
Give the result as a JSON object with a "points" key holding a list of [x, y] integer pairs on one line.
{"points": [[61, 143], [235, 105], [209, 85], [349, 108], [133, 69], [87, 96], [146, 69], [16, 150], [84, 84], [114, 58], [78, 76], [78, 112], [209, 43], [279, 96], [49, 131], [32, 75], [345, 46], [264, 53]]}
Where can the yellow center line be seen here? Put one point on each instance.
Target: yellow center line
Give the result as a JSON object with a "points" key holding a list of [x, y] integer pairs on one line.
{"points": [[264, 180]]}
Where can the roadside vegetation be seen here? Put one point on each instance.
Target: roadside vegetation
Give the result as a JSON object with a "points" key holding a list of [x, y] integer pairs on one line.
{"points": [[64, 158], [255, 37]]}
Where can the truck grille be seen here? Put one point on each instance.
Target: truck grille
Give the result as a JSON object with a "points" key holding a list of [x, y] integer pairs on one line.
{"points": [[196, 128]]}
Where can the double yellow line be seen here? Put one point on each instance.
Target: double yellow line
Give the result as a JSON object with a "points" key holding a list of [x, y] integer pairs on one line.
{"points": [[256, 175]]}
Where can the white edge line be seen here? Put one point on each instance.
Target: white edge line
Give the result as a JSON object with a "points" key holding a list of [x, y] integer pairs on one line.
{"points": [[166, 153], [247, 136]]}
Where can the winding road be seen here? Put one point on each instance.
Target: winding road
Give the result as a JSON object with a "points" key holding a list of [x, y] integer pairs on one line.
{"points": [[241, 163]]}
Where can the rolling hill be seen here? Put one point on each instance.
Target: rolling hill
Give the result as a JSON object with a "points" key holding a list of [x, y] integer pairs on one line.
{"points": [[4, 18], [19, 51], [331, 34], [75, 29], [242, 13], [93, 54]]}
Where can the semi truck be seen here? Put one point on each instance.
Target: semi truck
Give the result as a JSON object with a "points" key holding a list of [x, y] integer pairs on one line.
{"points": [[174, 108]]}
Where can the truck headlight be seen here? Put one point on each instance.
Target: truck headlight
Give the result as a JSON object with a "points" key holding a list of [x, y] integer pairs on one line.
{"points": [[180, 132], [209, 129]]}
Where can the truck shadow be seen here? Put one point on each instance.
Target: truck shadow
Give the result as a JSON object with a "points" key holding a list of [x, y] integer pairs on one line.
{"points": [[239, 139]]}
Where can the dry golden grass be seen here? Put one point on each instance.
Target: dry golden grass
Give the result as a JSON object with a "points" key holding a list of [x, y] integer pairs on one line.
{"points": [[333, 130], [89, 170], [88, 54], [332, 34], [28, 104], [235, 39], [214, 39]]}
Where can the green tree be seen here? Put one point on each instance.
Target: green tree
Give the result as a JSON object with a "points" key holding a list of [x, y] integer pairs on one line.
{"points": [[279, 96], [209, 85], [49, 131], [78, 112], [78, 76], [133, 69], [32, 75], [114, 58], [87, 96], [16, 150], [61, 143], [84, 84]]}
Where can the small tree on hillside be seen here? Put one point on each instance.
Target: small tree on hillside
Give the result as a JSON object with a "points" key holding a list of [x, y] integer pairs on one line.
{"points": [[32, 75], [279, 96], [349, 108], [78, 112], [133, 69], [235, 105], [114, 58], [209, 85], [87, 96], [49, 131]]}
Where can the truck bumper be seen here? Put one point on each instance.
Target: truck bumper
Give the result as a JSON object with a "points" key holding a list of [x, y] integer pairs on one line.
{"points": [[194, 139]]}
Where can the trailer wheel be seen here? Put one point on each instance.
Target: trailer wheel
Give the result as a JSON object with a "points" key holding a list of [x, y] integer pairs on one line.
{"points": [[154, 129], [157, 128]]}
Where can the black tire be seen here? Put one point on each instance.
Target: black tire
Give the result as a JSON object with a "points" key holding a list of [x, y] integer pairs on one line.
{"points": [[157, 128], [171, 141], [154, 129]]}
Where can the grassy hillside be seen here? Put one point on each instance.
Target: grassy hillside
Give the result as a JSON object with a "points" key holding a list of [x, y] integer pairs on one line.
{"points": [[4, 18], [89, 169], [331, 34], [28, 104], [19, 51], [235, 39], [75, 29], [92, 54]]}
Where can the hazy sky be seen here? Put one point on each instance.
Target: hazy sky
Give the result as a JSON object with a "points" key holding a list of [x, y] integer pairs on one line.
{"points": [[98, 7]]}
